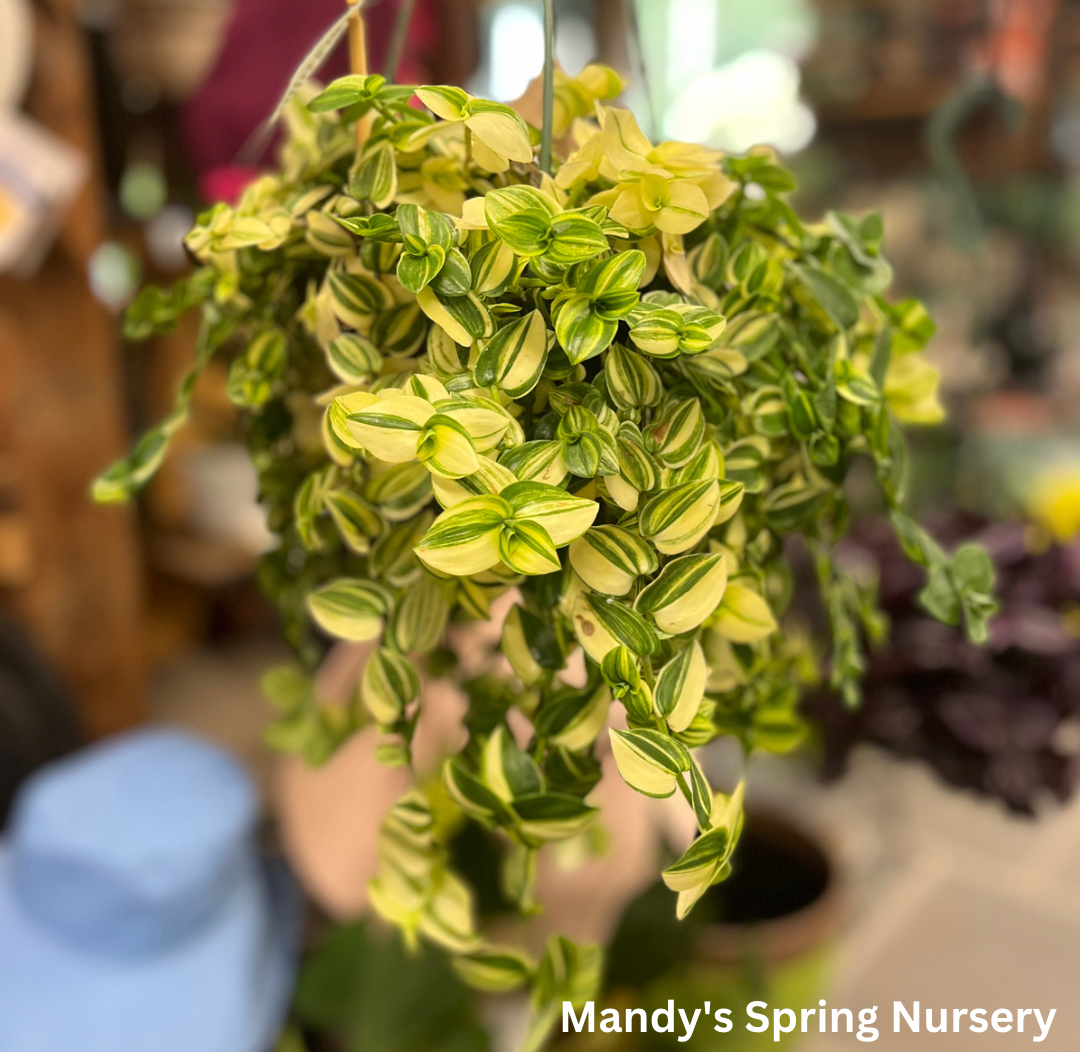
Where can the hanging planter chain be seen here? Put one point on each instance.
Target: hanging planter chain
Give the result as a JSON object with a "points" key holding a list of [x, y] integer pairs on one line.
{"points": [[549, 86], [399, 39]]}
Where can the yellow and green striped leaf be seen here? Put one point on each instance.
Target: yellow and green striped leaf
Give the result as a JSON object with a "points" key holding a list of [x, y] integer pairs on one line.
{"points": [[507, 770], [581, 331], [527, 549], [657, 333], [631, 381], [446, 449], [551, 816], [483, 419], [494, 970], [492, 265], [490, 477], [681, 686], [350, 608], [679, 518], [686, 592], [400, 492], [677, 433], [529, 646], [743, 616], [649, 761], [449, 103], [514, 357], [601, 624], [574, 238], [537, 461], [375, 178], [356, 298], [564, 516], [419, 621], [391, 428], [356, 520], [388, 686], [353, 358], [609, 559], [465, 539]]}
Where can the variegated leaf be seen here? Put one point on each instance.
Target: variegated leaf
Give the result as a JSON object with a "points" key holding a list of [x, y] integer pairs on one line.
{"points": [[743, 616], [446, 449], [609, 559], [514, 357], [564, 516], [389, 685], [490, 477], [539, 461], [527, 549], [601, 624], [350, 608], [677, 433], [492, 266], [353, 358], [649, 761], [400, 492], [494, 970], [530, 646], [356, 520], [508, 770], [391, 428], [679, 518], [465, 539], [686, 592], [356, 298], [551, 816], [420, 620], [681, 686], [631, 381]]}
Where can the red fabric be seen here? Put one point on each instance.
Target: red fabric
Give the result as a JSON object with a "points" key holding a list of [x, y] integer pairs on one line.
{"points": [[265, 42]]}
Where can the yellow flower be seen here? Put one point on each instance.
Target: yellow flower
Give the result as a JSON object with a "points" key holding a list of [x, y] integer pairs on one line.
{"points": [[583, 165], [654, 197], [672, 186], [1054, 502], [576, 97]]}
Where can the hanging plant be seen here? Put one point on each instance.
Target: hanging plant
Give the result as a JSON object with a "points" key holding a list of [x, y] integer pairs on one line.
{"points": [[617, 388]]}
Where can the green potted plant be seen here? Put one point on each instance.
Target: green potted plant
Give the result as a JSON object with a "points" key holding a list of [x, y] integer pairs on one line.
{"points": [[616, 382]]}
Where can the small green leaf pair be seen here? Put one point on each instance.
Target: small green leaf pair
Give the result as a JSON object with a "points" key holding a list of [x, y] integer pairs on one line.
{"points": [[587, 312], [532, 225], [521, 527], [667, 332]]}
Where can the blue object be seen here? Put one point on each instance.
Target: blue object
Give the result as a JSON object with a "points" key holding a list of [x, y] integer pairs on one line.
{"points": [[136, 914]]}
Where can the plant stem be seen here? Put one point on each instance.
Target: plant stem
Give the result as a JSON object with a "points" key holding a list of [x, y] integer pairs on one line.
{"points": [[687, 795], [468, 148], [549, 86], [397, 41]]}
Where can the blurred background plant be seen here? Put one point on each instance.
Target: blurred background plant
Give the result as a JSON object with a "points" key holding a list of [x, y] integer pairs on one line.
{"points": [[1003, 720]]}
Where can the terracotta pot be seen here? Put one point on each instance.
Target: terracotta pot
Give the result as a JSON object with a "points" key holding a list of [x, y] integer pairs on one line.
{"points": [[784, 900], [767, 934]]}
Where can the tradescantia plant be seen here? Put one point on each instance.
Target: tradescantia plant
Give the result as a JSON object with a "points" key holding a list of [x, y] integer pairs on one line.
{"points": [[617, 388]]}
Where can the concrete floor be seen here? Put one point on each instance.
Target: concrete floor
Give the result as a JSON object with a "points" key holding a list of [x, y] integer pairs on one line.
{"points": [[964, 907]]}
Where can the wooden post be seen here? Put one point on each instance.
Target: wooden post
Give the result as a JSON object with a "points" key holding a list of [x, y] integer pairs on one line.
{"points": [[63, 422], [358, 63]]}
